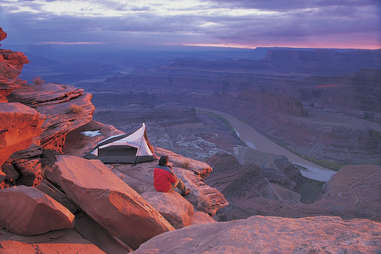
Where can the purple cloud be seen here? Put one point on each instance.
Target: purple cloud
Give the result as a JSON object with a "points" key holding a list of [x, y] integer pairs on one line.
{"points": [[242, 22]]}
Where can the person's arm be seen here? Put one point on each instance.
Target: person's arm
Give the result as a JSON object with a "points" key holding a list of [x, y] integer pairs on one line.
{"points": [[172, 178]]}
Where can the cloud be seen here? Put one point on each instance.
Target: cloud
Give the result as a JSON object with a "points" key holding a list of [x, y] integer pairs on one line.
{"points": [[70, 43], [293, 4], [215, 22]]}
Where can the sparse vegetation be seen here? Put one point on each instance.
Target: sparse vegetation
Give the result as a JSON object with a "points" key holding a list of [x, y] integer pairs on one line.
{"points": [[74, 108], [186, 164], [38, 81]]}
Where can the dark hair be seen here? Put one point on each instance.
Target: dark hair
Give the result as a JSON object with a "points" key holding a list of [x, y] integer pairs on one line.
{"points": [[163, 160]]}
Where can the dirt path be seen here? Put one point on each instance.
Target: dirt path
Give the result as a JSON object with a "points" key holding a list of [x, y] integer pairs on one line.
{"points": [[255, 140]]}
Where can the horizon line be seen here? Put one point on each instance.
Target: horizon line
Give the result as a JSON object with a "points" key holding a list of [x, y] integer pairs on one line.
{"points": [[239, 46]]}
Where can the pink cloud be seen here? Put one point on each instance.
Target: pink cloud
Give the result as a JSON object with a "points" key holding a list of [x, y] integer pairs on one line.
{"points": [[70, 43], [328, 86]]}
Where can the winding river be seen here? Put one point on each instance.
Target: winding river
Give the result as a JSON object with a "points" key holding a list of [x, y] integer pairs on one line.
{"points": [[256, 140]]}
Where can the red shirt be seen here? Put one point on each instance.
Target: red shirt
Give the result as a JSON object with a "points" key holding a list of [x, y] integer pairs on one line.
{"points": [[163, 179]]}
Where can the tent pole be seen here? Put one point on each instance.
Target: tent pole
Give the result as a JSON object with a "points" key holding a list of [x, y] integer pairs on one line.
{"points": [[136, 157]]}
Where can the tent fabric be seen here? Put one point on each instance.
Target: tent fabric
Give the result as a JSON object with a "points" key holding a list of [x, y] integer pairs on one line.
{"points": [[115, 145]]}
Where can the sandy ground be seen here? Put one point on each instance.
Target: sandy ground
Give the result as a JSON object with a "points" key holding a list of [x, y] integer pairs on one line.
{"points": [[255, 140]]}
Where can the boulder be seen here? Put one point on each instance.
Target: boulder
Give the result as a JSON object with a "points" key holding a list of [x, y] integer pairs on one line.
{"points": [[19, 127], [201, 218], [57, 242], [204, 197], [107, 199], [28, 211], [259, 234], [93, 232], [177, 210], [139, 176], [53, 191]]}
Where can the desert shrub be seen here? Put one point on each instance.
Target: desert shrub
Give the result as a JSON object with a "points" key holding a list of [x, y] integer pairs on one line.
{"points": [[186, 164], [74, 108], [38, 81]]}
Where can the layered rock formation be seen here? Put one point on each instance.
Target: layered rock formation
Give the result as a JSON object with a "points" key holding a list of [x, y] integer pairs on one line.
{"points": [[43, 112], [20, 126], [271, 235], [11, 64], [66, 108]]}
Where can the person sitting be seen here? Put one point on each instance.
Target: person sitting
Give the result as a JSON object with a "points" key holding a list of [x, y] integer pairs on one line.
{"points": [[165, 180]]}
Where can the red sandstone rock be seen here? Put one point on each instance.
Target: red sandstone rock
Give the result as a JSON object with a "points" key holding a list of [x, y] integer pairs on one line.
{"points": [[50, 189], [28, 211], [177, 210], [259, 234], [11, 64], [11, 173], [183, 162], [30, 170], [17, 59], [108, 200], [57, 242], [3, 34], [67, 108], [29, 163], [201, 218], [3, 176], [139, 176], [93, 232], [19, 127], [79, 144], [202, 196]]}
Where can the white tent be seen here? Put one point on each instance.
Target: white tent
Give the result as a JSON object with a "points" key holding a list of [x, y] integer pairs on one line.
{"points": [[125, 148]]}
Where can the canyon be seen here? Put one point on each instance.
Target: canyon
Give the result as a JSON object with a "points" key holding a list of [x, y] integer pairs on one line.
{"points": [[54, 200]]}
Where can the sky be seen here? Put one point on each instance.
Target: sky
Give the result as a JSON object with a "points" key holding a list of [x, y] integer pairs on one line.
{"points": [[220, 23]]}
